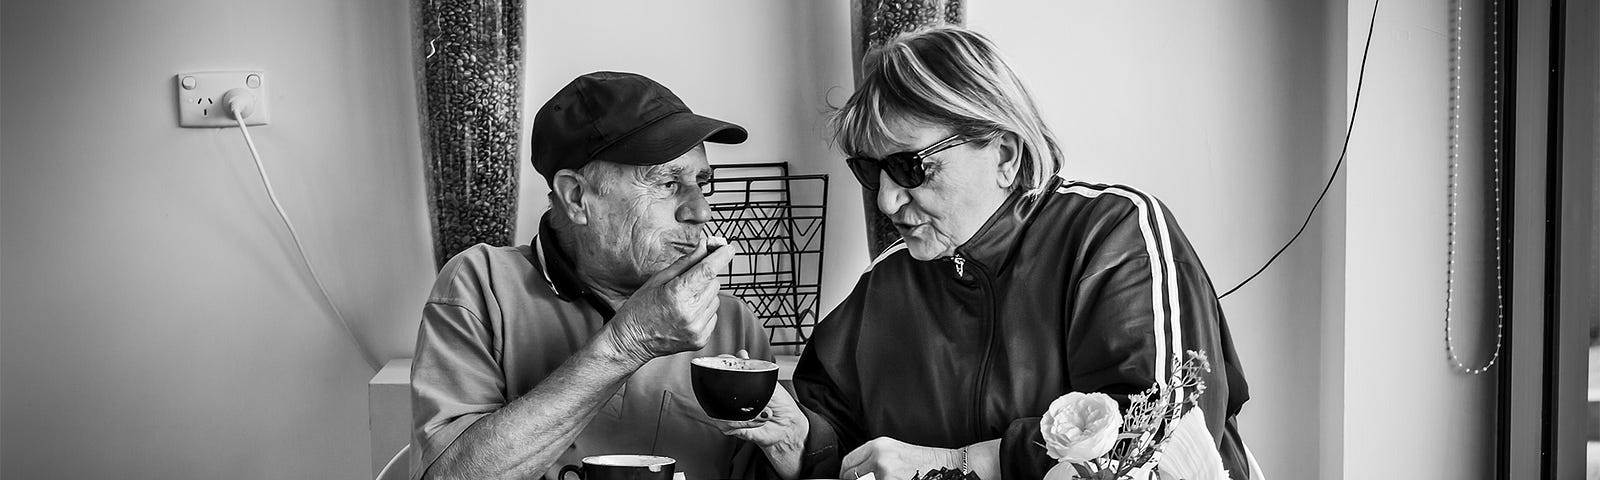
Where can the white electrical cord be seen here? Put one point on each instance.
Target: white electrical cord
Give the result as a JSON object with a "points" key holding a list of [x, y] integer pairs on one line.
{"points": [[235, 108]]}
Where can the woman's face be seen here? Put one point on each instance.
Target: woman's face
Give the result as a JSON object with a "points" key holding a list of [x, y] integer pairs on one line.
{"points": [[964, 186]]}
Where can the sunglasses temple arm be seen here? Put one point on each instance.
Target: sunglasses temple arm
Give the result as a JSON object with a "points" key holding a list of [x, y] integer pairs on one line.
{"points": [[937, 146]]}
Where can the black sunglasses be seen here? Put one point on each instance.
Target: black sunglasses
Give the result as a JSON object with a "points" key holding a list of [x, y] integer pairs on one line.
{"points": [[904, 168]]}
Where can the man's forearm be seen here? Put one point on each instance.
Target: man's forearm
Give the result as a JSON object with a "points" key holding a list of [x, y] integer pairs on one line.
{"points": [[522, 439]]}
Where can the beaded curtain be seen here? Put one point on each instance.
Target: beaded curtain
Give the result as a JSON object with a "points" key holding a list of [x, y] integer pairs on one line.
{"points": [[469, 79], [875, 22]]}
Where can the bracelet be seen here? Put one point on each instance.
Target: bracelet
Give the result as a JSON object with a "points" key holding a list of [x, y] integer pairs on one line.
{"points": [[964, 469]]}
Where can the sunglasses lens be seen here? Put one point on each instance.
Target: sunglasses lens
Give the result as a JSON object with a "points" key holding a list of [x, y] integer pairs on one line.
{"points": [[905, 169], [866, 171]]}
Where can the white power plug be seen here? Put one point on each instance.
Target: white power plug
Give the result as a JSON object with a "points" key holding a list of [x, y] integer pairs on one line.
{"points": [[239, 103]]}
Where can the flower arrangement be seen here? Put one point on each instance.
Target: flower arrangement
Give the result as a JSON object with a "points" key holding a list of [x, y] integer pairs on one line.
{"points": [[942, 474], [1092, 440]]}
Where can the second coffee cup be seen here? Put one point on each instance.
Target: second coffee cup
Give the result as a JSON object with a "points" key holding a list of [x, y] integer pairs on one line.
{"points": [[733, 388], [622, 467]]}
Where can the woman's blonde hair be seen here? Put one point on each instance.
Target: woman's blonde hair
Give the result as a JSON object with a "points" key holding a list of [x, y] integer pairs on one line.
{"points": [[946, 76]]}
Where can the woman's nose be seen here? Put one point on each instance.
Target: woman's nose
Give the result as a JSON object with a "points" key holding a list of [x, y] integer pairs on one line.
{"points": [[891, 196]]}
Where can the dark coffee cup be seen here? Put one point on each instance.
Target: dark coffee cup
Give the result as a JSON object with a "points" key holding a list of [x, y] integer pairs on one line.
{"points": [[622, 467], [732, 388]]}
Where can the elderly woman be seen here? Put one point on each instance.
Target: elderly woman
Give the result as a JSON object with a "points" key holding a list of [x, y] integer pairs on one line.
{"points": [[1012, 286]]}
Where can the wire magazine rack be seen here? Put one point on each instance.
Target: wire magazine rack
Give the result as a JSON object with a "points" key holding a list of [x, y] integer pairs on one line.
{"points": [[776, 220]]}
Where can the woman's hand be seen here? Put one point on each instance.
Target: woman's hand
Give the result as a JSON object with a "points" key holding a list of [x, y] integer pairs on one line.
{"points": [[781, 424], [891, 459], [780, 431]]}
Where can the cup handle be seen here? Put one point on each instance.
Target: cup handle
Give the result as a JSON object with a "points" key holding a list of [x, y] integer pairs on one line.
{"points": [[569, 468]]}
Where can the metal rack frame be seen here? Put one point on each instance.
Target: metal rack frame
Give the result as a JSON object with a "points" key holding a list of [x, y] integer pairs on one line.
{"points": [[778, 226]]}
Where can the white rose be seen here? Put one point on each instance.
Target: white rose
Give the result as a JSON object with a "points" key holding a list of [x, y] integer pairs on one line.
{"points": [[1080, 426]]}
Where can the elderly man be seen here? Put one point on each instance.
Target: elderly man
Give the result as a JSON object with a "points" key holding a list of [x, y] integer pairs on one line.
{"points": [[533, 357]]}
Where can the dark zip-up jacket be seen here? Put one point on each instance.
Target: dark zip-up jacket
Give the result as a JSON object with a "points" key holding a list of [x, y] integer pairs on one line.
{"points": [[1076, 287]]}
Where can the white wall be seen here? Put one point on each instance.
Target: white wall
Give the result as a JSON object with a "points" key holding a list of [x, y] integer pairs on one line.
{"points": [[1221, 110], [1405, 412], [157, 321]]}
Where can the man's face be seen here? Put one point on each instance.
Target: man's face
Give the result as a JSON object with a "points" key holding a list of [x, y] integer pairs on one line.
{"points": [[646, 217]]}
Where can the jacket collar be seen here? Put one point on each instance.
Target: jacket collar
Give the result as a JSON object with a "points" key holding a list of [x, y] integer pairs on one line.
{"points": [[561, 272], [992, 247]]}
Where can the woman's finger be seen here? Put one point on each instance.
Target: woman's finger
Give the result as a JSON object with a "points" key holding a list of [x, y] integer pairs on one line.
{"points": [[730, 425], [850, 466]]}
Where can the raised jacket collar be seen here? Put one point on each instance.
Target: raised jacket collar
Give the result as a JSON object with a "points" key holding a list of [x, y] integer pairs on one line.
{"points": [[992, 247]]}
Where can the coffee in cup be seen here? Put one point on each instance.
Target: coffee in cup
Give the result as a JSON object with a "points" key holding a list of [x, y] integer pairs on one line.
{"points": [[622, 467], [732, 388]]}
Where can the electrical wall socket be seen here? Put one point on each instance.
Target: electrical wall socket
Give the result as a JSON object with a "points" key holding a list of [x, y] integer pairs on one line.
{"points": [[200, 97]]}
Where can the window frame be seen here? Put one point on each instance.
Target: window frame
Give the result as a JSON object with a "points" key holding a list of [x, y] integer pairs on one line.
{"points": [[1543, 410]]}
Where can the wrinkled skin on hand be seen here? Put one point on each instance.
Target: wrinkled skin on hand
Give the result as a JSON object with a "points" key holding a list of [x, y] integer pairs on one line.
{"points": [[676, 309], [781, 422]]}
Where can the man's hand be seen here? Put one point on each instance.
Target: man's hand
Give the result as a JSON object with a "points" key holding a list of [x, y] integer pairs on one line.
{"points": [[676, 309], [780, 431], [891, 459]]}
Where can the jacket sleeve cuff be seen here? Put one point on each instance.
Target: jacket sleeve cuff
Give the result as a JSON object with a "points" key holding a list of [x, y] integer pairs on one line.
{"points": [[750, 463], [1021, 453], [821, 456]]}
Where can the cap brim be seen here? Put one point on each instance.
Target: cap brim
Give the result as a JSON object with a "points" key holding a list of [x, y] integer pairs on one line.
{"points": [[671, 137]]}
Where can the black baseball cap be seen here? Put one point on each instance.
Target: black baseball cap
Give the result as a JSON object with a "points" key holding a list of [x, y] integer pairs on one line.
{"points": [[619, 117]]}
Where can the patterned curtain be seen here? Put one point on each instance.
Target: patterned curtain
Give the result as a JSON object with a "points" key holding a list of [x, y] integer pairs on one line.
{"points": [[469, 80], [874, 22]]}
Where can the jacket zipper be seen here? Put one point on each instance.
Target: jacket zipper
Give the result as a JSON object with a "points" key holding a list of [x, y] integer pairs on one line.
{"points": [[988, 349]]}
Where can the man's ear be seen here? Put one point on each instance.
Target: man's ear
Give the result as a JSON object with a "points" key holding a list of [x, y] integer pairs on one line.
{"points": [[1009, 147], [572, 190]]}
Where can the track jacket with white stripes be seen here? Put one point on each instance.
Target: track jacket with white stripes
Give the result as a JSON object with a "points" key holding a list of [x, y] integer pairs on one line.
{"points": [[1079, 287]]}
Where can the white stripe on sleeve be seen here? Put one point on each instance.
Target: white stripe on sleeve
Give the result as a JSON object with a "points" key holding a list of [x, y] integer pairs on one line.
{"points": [[1163, 286]]}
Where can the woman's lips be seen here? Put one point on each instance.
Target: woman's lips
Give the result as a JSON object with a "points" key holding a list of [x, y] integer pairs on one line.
{"points": [[906, 229]]}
